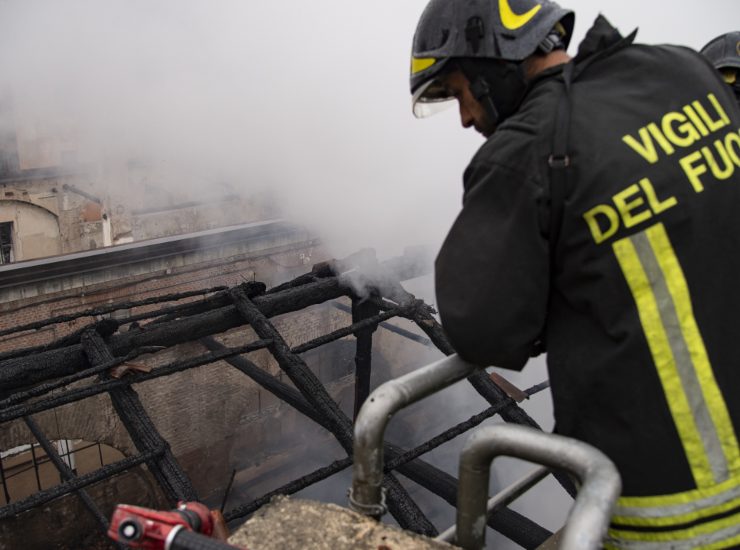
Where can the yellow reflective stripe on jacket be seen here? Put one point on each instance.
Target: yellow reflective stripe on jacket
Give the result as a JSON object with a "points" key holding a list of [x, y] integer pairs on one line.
{"points": [[711, 533], [637, 545], [727, 543], [678, 503], [682, 299], [678, 519], [661, 294]]}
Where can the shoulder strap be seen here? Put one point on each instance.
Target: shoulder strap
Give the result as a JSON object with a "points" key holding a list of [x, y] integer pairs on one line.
{"points": [[559, 160]]}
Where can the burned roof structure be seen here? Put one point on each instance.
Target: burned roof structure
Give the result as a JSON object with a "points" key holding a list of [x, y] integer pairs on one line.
{"points": [[95, 360]]}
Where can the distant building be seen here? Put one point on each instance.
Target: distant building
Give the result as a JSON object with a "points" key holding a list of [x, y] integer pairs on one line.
{"points": [[54, 201]]}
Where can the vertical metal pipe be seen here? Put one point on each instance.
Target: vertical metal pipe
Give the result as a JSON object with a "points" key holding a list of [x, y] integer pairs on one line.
{"points": [[366, 495], [589, 517]]}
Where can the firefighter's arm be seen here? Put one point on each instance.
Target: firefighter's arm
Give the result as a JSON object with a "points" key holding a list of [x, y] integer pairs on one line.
{"points": [[492, 272]]}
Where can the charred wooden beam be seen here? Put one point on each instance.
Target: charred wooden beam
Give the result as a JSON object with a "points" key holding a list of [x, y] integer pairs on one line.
{"points": [[220, 299], [482, 383], [289, 488], [43, 389], [22, 372], [318, 271], [65, 472], [171, 477], [292, 365], [406, 462], [109, 309], [63, 359], [106, 472], [509, 523], [362, 310], [392, 328], [215, 315], [453, 432], [105, 326], [70, 396], [354, 328], [406, 512]]}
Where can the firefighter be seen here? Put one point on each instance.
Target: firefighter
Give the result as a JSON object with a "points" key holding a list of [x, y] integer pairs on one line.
{"points": [[724, 53], [601, 220]]}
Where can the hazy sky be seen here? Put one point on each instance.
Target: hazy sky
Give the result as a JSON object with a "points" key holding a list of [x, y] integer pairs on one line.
{"points": [[308, 99]]}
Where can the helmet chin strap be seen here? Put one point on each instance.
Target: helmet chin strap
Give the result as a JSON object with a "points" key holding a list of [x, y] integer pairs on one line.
{"points": [[482, 93], [499, 86]]}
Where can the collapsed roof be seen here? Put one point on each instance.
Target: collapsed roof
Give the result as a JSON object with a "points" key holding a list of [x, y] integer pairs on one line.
{"points": [[89, 362]]}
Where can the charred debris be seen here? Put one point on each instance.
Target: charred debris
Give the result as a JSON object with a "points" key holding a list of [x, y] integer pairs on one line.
{"points": [[90, 362]]}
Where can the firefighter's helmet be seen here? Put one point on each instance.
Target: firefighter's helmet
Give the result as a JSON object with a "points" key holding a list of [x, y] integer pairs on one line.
{"points": [[724, 53], [507, 30]]}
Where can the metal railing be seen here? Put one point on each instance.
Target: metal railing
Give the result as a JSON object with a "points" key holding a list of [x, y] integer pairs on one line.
{"points": [[366, 495], [600, 481], [589, 517]]}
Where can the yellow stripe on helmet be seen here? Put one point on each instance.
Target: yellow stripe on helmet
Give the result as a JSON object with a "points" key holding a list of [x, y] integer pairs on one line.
{"points": [[419, 64], [512, 20]]}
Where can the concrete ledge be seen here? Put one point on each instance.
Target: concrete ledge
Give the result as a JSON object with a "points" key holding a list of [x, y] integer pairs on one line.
{"points": [[58, 273]]}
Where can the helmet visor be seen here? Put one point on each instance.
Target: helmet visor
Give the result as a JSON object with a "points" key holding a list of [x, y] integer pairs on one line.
{"points": [[431, 98]]}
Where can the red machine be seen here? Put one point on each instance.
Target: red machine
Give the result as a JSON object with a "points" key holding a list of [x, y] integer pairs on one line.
{"points": [[189, 527]]}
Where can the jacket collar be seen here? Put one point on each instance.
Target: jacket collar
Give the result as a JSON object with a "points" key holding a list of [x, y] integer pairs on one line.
{"points": [[602, 39]]}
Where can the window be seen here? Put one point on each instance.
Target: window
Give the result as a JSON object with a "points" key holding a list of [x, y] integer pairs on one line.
{"points": [[6, 242], [27, 469]]}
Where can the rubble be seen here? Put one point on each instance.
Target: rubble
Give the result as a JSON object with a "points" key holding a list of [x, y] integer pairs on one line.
{"points": [[291, 524]]}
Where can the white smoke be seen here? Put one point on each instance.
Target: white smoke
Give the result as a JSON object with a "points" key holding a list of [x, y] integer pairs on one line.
{"points": [[306, 101]]}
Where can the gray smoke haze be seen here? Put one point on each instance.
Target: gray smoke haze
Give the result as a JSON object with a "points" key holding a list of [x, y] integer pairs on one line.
{"points": [[307, 101]]}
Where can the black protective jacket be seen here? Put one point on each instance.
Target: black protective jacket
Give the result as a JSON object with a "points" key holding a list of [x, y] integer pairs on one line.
{"points": [[630, 274]]}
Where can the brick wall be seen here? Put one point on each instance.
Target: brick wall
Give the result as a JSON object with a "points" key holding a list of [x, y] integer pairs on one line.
{"points": [[214, 417]]}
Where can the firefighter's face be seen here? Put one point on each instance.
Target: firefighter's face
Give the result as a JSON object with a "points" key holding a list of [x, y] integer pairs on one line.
{"points": [[472, 113]]}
